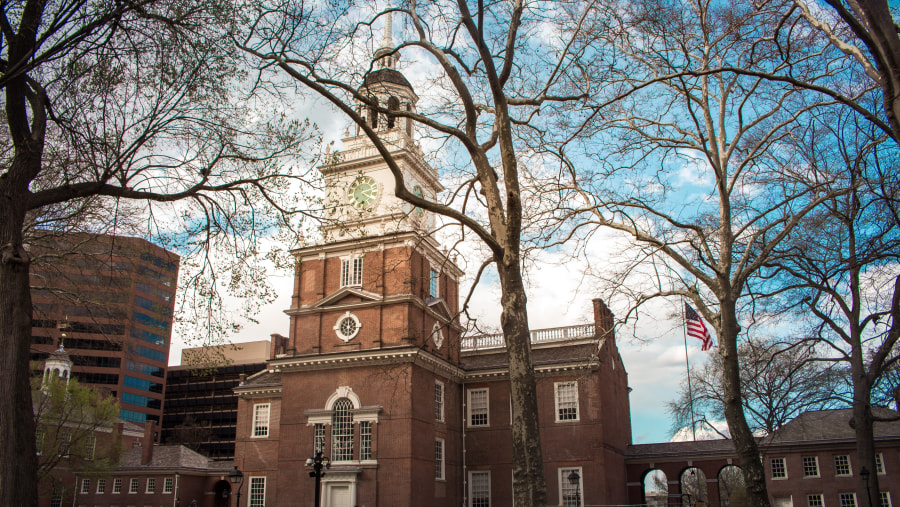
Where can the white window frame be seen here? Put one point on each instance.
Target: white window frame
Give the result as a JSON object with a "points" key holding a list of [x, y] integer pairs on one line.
{"points": [[471, 484], [815, 461], [439, 392], [117, 485], [849, 465], [365, 440], [259, 479], [318, 438], [556, 400], [85, 486], [351, 271], [356, 328], [783, 466], [819, 496], [440, 457], [487, 407], [849, 495], [261, 417], [151, 485], [101, 486], [562, 474], [133, 485], [884, 499], [90, 447], [879, 463], [168, 485]]}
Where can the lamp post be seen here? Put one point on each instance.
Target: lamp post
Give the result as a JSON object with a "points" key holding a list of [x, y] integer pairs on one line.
{"points": [[864, 473], [316, 465], [574, 480], [237, 477]]}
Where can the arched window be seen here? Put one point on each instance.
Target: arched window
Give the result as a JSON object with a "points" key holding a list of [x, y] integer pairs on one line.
{"points": [[731, 487], [409, 123], [393, 105], [693, 486], [373, 113], [342, 431], [656, 488]]}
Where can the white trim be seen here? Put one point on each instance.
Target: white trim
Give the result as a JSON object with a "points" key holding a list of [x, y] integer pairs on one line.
{"points": [[261, 427], [470, 484], [351, 274], [783, 462], [439, 406], [343, 392], [879, 464], [150, 488], [487, 407], [440, 464], [803, 465], [250, 490], [556, 400], [338, 328], [85, 487], [849, 465], [133, 486], [562, 475], [437, 334]]}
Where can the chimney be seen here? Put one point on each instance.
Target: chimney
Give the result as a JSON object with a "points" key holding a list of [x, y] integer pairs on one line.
{"points": [[278, 346], [151, 436], [603, 319]]}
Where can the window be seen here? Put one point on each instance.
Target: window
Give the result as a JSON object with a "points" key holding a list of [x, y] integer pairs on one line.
{"points": [[64, 443], [479, 489], [351, 272], [167, 485], [39, 440], [89, 447], [101, 486], [439, 459], [433, 278], [257, 492], [815, 500], [438, 401], [570, 487], [478, 407], [85, 486], [117, 485], [347, 326], [57, 495], [365, 440], [885, 498], [151, 485], [879, 463], [342, 431], [779, 471], [260, 420], [566, 401], [848, 499], [133, 486], [842, 465], [318, 438], [810, 466]]}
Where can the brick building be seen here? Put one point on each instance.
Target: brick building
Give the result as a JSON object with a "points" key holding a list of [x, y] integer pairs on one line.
{"points": [[111, 300]]}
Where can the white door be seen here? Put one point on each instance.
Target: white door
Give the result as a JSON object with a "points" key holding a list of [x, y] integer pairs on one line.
{"points": [[339, 495], [783, 501]]}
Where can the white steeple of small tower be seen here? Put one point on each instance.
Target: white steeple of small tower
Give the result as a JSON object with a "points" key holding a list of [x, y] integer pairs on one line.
{"points": [[57, 365], [383, 58]]}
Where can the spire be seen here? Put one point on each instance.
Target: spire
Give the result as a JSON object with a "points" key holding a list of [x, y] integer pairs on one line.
{"points": [[382, 54]]}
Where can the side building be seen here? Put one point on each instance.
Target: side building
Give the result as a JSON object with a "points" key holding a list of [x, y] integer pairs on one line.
{"points": [[201, 407], [110, 301]]}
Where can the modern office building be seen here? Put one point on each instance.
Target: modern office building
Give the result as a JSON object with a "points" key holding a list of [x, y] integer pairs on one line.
{"points": [[110, 300], [201, 407]]}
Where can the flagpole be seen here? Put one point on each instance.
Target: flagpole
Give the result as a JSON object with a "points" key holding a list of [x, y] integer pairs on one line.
{"points": [[688, 365]]}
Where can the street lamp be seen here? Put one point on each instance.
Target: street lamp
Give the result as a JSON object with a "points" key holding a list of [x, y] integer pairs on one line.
{"points": [[864, 473], [317, 464], [574, 480], [237, 477]]}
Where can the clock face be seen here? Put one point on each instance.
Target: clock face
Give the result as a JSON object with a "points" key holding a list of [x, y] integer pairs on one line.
{"points": [[363, 192]]}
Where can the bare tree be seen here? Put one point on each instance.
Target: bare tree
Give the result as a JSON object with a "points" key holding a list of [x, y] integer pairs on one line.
{"points": [[687, 164], [779, 381], [106, 102], [839, 268], [496, 72]]}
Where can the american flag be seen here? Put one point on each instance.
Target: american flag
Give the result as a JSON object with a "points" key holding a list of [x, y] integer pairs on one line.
{"points": [[696, 328]]}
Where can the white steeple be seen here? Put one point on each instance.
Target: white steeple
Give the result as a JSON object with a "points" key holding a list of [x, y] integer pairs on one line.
{"points": [[57, 365], [383, 58]]}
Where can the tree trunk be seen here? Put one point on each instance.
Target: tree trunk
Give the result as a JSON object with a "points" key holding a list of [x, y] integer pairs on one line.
{"points": [[528, 466], [18, 463], [863, 426], [744, 442]]}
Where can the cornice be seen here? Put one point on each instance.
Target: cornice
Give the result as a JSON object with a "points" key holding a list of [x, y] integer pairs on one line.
{"points": [[389, 300], [410, 355], [248, 392]]}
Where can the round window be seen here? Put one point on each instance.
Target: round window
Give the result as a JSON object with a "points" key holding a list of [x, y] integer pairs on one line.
{"points": [[347, 326]]}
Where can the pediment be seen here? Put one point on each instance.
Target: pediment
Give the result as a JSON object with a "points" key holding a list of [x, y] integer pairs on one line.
{"points": [[347, 295], [440, 306]]}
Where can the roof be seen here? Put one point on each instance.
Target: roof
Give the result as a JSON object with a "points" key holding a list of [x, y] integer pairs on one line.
{"points": [[386, 75], [833, 425], [165, 456], [265, 378], [680, 448]]}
